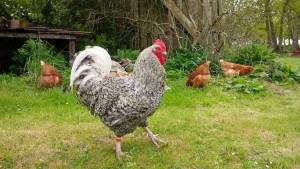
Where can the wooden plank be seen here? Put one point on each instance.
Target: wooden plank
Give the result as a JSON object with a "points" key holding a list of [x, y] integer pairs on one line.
{"points": [[45, 33], [71, 49], [36, 35]]}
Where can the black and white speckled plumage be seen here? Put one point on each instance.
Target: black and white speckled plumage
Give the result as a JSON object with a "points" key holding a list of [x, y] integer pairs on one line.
{"points": [[122, 103]]}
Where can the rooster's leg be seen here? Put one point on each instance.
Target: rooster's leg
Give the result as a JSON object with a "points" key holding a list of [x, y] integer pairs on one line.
{"points": [[118, 149], [152, 136]]}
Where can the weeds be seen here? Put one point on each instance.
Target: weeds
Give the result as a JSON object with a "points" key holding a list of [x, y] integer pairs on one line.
{"points": [[240, 84], [27, 60], [187, 60], [251, 54], [276, 72]]}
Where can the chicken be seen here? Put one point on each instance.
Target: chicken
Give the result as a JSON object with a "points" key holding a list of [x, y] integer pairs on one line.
{"points": [[122, 103], [199, 77], [117, 70], [50, 77], [230, 69]]}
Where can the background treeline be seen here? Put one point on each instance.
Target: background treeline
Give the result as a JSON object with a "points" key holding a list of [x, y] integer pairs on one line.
{"points": [[134, 24], [246, 32]]}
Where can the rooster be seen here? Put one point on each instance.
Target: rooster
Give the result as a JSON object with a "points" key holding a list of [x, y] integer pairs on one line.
{"points": [[122, 103], [199, 77], [230, 69], [50, 77]]}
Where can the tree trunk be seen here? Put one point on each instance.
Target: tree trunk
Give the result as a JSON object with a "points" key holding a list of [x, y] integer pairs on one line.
{"points": [[185, 21], [271, 36], [193, 11], [207, 22], [179, 4], [280, 38], [135, 13], [267, 11], [295, 44]]}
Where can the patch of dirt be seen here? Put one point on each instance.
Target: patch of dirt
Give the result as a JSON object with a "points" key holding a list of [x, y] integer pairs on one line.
{"points": [[276, 88]]}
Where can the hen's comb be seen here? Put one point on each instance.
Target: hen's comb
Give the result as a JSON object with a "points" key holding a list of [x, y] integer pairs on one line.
{"points": [[160, 43]]}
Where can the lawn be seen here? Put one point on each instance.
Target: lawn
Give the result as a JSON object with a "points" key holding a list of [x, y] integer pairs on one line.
{"points": [[203, 128], [293, 61]]}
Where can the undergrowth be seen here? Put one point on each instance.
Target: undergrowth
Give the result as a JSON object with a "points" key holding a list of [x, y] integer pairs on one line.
{"points": [[27, 60], [182, 62], [244, 85]]}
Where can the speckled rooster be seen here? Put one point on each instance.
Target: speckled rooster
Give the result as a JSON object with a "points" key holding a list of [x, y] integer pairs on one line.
{"points": [[122, 103]]}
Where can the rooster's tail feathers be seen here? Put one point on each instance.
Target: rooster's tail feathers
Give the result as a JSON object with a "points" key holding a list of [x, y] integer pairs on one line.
{"points": [[90, 63]]}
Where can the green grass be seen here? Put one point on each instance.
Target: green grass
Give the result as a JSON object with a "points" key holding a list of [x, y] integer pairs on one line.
{"points": [[203, 128], [293, 61]]}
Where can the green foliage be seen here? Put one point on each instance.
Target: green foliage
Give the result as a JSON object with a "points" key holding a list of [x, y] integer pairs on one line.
{"points": [[100, 40], [186, 60], [292, 61], [249, 54], [252, 53], [13, 9], [55, 14], [127, 54], [276, 72], [27, 59], [176, 74], [244, 85]]}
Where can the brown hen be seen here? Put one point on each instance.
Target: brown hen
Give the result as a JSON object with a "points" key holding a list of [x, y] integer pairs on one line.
{"points": [[199, 77], [50, 77], [230, 69]]}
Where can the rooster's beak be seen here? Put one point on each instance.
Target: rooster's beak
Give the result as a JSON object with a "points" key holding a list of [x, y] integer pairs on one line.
{"points": [[165, 53]]}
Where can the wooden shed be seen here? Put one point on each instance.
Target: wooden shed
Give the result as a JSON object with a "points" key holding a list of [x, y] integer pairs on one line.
{"points": [[12, 39]]}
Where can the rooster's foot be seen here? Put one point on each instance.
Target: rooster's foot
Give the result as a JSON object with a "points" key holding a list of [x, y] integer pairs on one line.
{"points": [[121, 154], [153, 137]]}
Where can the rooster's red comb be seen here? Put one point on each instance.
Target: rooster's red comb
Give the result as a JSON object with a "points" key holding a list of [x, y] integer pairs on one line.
{"points": [[160, 43]]}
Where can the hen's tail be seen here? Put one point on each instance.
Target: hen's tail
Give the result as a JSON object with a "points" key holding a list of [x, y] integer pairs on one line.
{"points": [[93, 63]]}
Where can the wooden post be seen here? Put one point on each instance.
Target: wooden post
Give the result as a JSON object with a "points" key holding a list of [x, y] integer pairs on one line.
{"points": [[71, 49]]}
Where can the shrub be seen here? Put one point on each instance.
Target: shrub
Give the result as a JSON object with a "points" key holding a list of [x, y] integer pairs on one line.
{"points": [[254, 53], [187, 60], [249, 54], [55, 14], [277, 72], [27, 60], [99, 40]]}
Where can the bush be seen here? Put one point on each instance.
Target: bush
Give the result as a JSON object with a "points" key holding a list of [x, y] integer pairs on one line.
{"points": [[56, 14], [187, 60], [249, 54], [255, 53], [99, 40], [277, 72], [27, 60]]}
